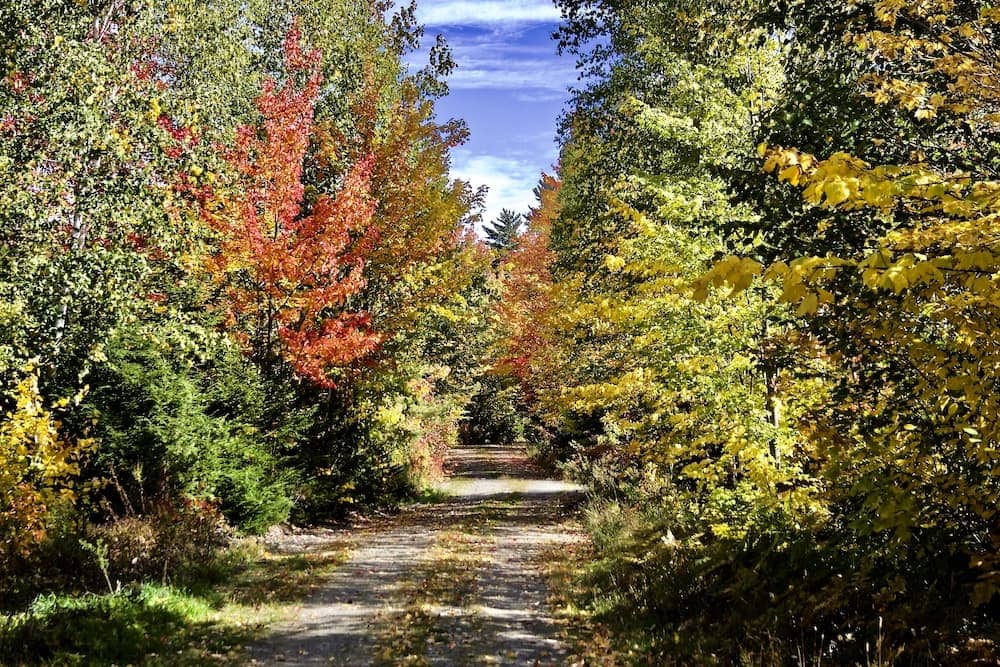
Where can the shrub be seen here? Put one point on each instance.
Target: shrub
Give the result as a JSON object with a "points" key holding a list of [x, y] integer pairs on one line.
{"points": [[38, 471], [176, 424]]}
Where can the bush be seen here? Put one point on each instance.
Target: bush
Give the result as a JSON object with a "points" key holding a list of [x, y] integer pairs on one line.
{"points": [[38, 472], [176, 424], [677, 592], [494, 415], [118, 628], [171, 539]]}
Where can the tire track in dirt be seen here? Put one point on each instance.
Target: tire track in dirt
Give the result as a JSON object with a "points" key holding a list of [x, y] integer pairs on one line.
{"points": [[452, 583]]}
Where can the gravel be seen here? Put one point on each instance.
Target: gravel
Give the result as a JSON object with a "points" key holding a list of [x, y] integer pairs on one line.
{"points": [[518, 513]]}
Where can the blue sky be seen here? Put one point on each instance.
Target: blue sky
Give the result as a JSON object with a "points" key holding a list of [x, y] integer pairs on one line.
{"points": [[510, 87]]}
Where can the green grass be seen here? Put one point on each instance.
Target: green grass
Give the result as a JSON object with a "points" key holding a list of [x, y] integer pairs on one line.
{"points": [[430, 495], [149, 621], [206, 618]]}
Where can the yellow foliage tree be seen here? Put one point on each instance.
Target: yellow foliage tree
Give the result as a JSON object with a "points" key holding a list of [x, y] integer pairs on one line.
{"points": [[37, 469], [920, 452]]}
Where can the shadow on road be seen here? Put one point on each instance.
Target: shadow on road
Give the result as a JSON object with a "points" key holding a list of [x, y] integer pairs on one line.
{"points": [[510, 513]]}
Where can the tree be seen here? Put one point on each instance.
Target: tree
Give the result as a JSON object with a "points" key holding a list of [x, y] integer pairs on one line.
{"points": [[502, 233], [840, 409], [38, 470], [528, 305], [911, 313], [180, 177], [290, 265]]}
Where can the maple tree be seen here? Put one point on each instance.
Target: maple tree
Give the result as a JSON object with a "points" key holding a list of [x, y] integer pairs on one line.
{"points": [[419, 211], [529, 300], [184, 181], [290, 269], [403, 402]]}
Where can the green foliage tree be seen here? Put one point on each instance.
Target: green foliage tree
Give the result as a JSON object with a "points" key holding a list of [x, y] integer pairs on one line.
{"points": [[801, 426], [114, 118]]}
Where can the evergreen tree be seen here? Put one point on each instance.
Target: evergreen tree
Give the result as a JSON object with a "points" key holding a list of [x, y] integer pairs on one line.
{"points": [[502, 233]]}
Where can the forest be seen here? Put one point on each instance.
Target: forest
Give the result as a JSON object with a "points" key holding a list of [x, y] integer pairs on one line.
{"points": [[755, 311]]}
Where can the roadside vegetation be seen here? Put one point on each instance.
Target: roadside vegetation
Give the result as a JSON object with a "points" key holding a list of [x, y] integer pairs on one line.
{"points": [[239, 288], [205, 615], [757, 315], [754, 310]]}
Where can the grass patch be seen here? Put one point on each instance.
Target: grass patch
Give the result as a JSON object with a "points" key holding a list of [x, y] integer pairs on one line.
{"points": [[151, 623], [431, 495], [206, 617]]}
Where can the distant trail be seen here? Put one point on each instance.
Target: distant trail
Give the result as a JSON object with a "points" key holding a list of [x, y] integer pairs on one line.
{"points": [[452, 583]]}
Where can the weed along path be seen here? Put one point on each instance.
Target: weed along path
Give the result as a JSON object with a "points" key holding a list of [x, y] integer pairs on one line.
{"points": [[456, 582]]}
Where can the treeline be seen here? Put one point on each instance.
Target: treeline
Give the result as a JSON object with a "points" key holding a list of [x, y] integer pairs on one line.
{"points": [[238, 284], [760, 317]]}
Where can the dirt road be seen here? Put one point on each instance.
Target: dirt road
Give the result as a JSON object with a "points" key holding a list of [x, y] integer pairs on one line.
{"points": [[457, 582]]}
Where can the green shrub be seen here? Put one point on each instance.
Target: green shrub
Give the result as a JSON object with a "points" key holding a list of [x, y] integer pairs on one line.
{"points": [[493, 415], [179, 415], [119, 628], [677, 594]]}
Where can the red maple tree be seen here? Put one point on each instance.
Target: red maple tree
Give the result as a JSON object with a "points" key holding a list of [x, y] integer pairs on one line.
{"points": [[290, 266]]}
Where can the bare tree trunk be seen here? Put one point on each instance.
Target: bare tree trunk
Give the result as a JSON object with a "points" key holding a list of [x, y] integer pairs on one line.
{"points": [[78, 239], [773, 409], [772, 403]]}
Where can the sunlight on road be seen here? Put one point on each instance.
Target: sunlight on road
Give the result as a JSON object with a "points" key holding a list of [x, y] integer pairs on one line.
{"points": [[452, 582]]}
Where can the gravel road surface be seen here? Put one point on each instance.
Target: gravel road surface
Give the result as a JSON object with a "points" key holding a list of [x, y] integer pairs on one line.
{"points": [[456, 582]]}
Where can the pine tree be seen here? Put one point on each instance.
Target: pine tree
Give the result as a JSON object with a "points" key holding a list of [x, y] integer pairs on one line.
{"points": [[502, 233]]}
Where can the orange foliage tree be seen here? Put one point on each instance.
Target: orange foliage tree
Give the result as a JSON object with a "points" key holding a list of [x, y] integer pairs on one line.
{"points": [[529, 299], [291, 263], [419, 258]]}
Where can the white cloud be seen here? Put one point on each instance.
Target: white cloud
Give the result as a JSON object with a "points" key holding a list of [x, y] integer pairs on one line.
{"points": [[478, 74], [483, 12], [510, 180], [550, 95], [503, 66], [493, 55]]}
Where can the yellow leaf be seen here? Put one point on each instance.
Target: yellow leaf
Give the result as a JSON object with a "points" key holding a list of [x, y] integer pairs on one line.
{"points": [[613, 263], [836, 191], [790, 174], [776, 270], [808, 306]]}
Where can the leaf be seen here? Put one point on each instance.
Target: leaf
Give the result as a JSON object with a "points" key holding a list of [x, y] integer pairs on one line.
{"points": [[836, 191], [790, 174], [808, 305]]}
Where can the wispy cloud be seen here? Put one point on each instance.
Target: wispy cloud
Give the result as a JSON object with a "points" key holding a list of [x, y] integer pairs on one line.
{"points": [[510, 180], [486, 61], [521, 75], [485, 12], [508, 84], [553, 94]]}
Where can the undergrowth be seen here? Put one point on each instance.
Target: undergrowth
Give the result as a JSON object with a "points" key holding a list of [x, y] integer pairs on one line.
{"points": [[205, 616], [638, 594]]}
